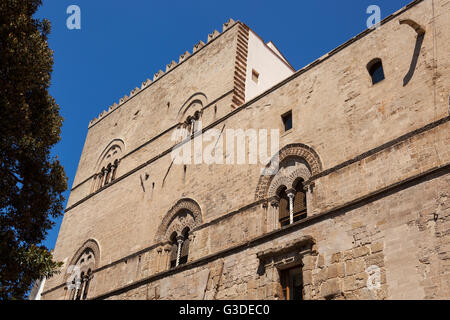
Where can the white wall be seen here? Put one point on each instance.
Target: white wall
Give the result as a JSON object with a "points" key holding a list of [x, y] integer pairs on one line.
{"points": [[271, 66]]}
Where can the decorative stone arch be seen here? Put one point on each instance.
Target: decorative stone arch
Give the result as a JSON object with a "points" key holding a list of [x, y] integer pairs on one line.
{"points": [[185, 213], [117, 145], [276, 185], [297, 150], [289, 181], [91, 244], [80, 270], [194, 104], [107, 164]]}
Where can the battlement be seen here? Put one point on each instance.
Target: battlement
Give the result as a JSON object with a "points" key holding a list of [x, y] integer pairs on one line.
{"points": [[171, 66]]}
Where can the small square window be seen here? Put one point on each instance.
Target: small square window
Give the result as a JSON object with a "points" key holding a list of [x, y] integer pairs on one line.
{"points": [[287, 121], [255, 76]]}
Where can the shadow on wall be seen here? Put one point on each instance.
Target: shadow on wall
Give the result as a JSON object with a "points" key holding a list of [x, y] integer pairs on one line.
{"points": [[419, 41], [412, 68]]}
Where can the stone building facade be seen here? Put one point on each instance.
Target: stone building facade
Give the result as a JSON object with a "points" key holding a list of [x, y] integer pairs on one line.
{"points": [[359, 208]]}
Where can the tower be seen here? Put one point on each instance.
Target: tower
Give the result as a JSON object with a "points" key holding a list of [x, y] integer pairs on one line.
{"points": [[356, 206]]}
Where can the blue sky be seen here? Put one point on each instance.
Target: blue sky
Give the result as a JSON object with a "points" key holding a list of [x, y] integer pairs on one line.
{"points": [[122, 43]]}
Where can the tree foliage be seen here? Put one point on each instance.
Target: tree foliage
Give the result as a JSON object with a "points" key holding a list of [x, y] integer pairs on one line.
{"points": [[31, 181]]}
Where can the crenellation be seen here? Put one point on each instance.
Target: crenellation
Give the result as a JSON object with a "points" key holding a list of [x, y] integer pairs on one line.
{"points": [[213, 35], [101, 115], [170, 66], [184, 56], [124, 99], [158, 75], [134, 91], [146, 83], [228, 25]]}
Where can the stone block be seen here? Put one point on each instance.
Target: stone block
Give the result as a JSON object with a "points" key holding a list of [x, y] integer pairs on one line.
{"points": [[354, 266], [331, 288], [360, 252], [377, 247]]}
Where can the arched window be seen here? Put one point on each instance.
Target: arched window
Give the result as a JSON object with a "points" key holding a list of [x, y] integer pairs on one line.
{"points": [[184, 247], [86, 282], [80, 271], [297, 205], [299, 201], [108, 174], [174, 250], [192, 124], [175, 232], [283, 208], [375, 68], [287, 194], [180, 248], [107, 165], [79, 287], [82, 276]]}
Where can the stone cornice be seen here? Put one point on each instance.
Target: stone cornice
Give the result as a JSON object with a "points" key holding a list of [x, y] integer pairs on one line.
{"points": [[294, 245]]}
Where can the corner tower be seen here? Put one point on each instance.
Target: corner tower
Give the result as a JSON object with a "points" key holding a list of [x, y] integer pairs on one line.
{"points": [[116, 200]]}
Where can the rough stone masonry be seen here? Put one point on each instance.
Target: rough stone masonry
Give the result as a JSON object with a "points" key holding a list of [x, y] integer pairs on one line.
{"points": [[364, 177]]}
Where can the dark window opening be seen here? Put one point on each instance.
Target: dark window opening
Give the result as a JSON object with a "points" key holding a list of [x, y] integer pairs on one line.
{"points": [[287, 121], [299, 208], [299, 202], [283, 208], [292, 284], [173, 251], [179, 247], [80, 288], [255, 76], [86, 284], [375, 68], [184, 247]]}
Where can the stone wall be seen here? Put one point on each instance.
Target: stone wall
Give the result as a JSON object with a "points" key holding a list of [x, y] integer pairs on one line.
{"points": [[409, 246], [380, 198]]}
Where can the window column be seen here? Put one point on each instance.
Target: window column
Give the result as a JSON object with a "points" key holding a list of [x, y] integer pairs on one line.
{"points": [[291, 195], [180, 240]]}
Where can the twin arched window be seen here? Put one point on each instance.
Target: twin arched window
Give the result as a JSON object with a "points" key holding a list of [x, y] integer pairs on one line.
{"points": [[191, 125], [175, 234], [106, 175], [81, 286], [107, 165], [286, 190], [81, 275], [180, 248], [292, 206]]}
